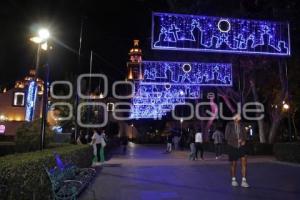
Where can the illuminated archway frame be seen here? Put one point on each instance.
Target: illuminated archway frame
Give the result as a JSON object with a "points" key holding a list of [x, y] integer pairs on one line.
{"points": [[166, 84], [199, 74], [201, 33]]}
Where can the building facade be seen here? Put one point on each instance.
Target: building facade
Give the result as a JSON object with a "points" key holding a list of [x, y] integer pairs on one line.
{"points": [[13, 104]]}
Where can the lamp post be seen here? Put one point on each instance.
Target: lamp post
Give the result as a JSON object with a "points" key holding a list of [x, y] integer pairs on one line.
{"points": [[181, 121], [42, 40], [132, 130], [286, 108]]}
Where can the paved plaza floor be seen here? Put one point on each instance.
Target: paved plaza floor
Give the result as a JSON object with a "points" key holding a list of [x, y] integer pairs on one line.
{"points": [[145, 172]]}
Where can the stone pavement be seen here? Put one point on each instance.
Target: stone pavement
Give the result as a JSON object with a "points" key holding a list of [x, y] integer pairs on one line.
{"points": [[147, 173]]}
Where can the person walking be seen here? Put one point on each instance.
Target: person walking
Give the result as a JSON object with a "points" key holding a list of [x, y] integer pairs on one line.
{"points": [[198, 143], [124, 143], [176, 139], [103, 145], [169, 143], [191, 141], [218, 140], [235, 135], [96, 143]]}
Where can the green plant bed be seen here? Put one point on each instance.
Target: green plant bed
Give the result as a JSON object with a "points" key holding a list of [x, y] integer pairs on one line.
{"points": [[289, 152], [7, 138], [23, 176], [28, 136], [260, 149]]}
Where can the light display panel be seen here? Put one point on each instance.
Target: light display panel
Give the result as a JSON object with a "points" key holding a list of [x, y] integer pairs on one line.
{"points": [[166, 84], [219, 34], [185, 73], [30, 101]]}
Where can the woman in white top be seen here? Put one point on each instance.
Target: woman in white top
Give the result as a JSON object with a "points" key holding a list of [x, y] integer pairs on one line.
{"points": [[96, 142], [198, 143], [103, 144]]}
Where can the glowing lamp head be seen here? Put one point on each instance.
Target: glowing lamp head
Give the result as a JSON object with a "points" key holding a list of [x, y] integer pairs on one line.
{"points": [[44, 34], [286, 106], [101, 96], [2, 117]]}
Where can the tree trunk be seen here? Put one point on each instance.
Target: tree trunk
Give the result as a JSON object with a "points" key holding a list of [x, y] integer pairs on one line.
{"points": [[294, 124], [214, 111], [260, 123], [228, 103], [261, 130], [273, 131]]}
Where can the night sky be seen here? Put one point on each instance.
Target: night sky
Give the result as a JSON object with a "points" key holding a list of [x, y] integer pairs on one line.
{"points": [[108, 30]]}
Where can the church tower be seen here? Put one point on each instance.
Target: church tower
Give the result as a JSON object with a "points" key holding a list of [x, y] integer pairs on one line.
{"points": [[134, 66]]}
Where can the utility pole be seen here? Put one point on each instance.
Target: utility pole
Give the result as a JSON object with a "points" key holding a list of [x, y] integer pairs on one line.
{"points": [[75, 82]]}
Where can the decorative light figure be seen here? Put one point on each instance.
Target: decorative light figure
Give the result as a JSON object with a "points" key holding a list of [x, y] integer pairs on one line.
{"points": [[31, 101], [216, 34], [166, 84]]}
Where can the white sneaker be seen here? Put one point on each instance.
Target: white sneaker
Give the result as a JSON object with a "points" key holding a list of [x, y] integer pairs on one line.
{"points": [[245, 184], [234, 183]]}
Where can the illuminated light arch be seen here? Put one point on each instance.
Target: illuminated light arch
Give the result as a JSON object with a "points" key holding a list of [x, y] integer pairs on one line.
{"points": [[156, 95], [204, 33]]}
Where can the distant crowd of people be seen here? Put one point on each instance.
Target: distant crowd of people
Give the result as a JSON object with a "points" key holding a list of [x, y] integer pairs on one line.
{"points": [[235, 136], [98, 139], [194, 139]]}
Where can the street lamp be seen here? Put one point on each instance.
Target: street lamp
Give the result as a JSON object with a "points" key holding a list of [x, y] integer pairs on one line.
{"points": [[181, 121], [2, 118], [44, 33], [42, 40], [286, 108], [132, 131]]}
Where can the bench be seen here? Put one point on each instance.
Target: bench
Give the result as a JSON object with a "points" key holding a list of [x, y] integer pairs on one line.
{"points": [[67, 180], [3, 190], [86, 174], [64, 188]]}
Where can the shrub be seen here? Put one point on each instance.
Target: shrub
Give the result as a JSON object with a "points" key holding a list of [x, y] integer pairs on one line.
{"points": [[252, 148], [7, 148], [7, 138], [260, 149], [28, 136], [24, 176], [289, 152]]}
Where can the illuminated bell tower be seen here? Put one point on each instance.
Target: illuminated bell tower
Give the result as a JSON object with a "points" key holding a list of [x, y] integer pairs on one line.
{"points": [[134, 67]]}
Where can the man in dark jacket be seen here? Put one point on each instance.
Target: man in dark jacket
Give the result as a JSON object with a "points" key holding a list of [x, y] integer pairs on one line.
{"points": [[169, 142], [236, 136]]}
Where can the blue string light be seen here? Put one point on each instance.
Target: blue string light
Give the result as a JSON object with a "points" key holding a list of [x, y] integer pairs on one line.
{"points": [[216, 34], [31, 101], [166, 84]]}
